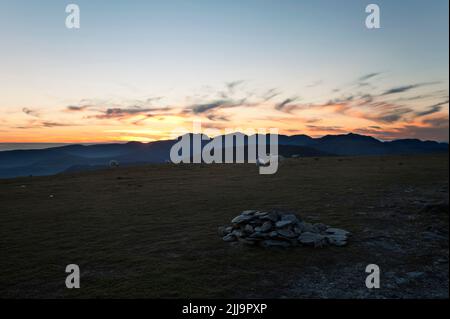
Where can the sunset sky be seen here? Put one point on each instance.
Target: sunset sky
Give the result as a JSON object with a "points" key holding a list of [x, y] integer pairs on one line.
{"points": [[138, 70]]}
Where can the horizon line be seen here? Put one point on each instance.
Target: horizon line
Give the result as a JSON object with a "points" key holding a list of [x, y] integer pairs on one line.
{"points": [[168, 139]]}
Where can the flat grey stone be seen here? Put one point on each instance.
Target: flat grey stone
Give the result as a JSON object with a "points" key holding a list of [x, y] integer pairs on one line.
{"points": [[241, 218], [306, 227], [290, 217], [261, 214], [270, 216], [311, 239], [266, 226], [287, 233], [229, 238], [283, 223], [237, 233], [337, 240]]}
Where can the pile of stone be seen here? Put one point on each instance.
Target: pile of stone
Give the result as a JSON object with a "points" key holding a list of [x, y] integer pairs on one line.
{"points": [[280, 229]]}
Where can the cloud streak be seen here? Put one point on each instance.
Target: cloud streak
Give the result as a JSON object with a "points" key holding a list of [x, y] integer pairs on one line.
{"points": [[405, 88], [432, 109], [285, 105], [123, 113], [30, 112], [368, 76]]}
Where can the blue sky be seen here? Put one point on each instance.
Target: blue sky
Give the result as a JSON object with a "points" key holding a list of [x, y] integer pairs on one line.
{"points": [[182, 53]]}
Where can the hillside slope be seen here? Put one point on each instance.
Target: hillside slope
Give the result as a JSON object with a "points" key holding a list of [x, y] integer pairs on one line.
{"points": [[151, 230], [81, 157]]}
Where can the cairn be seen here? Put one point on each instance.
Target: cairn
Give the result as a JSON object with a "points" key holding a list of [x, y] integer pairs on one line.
{"points": [[280, 229]]}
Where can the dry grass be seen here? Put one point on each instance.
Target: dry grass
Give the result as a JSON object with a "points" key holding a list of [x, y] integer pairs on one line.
{"points": [[151, 231]]}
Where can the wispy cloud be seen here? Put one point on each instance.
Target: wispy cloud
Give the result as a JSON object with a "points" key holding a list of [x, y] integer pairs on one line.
{"points": [[432, 109], [75, 108], [440, 121], [233, 96], [331, 129], [391, 116], [122, 113], [405, 88], [368, 76], [218, 104], [379, 110], [30, 112], [314, 84], [285, 104], [44, 124], [270, 94], [231, 86], [434, 129]]}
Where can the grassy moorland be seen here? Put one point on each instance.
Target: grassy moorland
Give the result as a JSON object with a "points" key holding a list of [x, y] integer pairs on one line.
{"points": [[151, 231]]}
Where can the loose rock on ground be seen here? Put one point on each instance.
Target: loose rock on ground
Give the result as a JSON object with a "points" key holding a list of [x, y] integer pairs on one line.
{"points": [[280, 229]]}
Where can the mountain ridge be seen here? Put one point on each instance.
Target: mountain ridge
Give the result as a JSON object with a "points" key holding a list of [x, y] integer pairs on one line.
{"points": [[55, 160]]}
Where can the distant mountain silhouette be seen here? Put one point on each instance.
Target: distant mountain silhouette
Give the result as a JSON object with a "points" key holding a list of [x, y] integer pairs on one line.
{"points": [[81, 157]]}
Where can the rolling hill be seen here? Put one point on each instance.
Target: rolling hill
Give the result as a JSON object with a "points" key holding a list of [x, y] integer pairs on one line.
{"points": [[88, 157]]}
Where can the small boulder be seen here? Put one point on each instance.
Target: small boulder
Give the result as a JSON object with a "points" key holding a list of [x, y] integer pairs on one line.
{"points": [[337, 231]]}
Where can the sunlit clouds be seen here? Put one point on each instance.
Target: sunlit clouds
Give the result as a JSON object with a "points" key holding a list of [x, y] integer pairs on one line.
{"points": [[142, 71], [413, 111]]}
